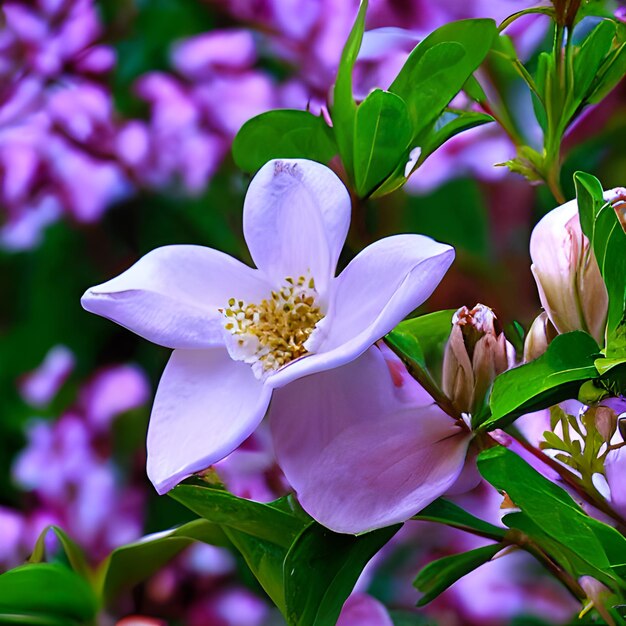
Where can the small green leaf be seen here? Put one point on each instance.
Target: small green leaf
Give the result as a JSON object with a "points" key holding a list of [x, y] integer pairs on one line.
{"points": [[74, 553], [445, 512], [263, 533], [131, 564], [439, 67], [553, 377], [45, 593], [220, 507], [343, 109], [437, 576], [599, 547], [283, 133], [587, 61], [613, 68], [321, 570], [420, 342], [381, 138], [460, 121]]}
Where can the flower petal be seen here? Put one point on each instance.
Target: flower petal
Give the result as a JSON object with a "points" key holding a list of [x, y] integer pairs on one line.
{"points": [[378, 289], [295, 219], [363, 610], [171, 295], [205, 406], [356, 458]]}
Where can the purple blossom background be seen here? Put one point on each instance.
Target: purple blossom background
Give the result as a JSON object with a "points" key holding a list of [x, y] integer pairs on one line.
{"points": [[116, 123]]}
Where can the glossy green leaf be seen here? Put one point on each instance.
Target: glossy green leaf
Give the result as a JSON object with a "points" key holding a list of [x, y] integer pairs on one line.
{"points": [[439, 67], [600, 222], [553, 377], [283, 133], [420, 342], [220, 507], [613, 68], [46, 593], [131, 564], [343, 109], [321, 570], [437, 576], [263, 533], [381, 138], [459, 122], [445, 512], [552, 509], [73, 552], [589, 57]]}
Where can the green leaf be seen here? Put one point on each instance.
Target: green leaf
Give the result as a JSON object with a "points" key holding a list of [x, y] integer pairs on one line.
{"points": [[381, 137], [74, 553], [131, 564], [588, 59], [321, 570], [284, 134], [343, 110], [439, 67], [437, 576], [220, 507], [601, 223], [613, 68], [461, 121], [445, 512], [420, 342], [597, 546], [45, 593], [553, 377], [263, 533]]}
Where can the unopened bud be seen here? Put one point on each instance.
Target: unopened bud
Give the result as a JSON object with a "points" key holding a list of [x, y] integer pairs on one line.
{"points": [[476, 352], [540, 334], [568, 279], [603, 419]]}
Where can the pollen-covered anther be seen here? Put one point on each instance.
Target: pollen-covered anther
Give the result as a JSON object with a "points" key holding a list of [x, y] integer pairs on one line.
{"points": [[273, 332]]}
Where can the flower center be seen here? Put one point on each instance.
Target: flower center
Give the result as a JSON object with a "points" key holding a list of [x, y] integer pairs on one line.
{"points": [[274, 332]]}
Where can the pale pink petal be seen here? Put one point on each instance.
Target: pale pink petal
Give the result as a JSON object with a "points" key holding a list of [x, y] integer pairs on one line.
{"points": [[378, 289], [295, 218], [205, 406], [356, 460], [615, 467], [363, 610], [171, 296]]}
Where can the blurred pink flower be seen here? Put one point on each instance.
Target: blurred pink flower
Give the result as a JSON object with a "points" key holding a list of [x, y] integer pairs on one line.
{"points": [[67, 469], [39, 387], [363, 610]]}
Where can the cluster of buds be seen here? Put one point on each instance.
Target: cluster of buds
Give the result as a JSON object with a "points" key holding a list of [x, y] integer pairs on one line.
{"points": [[477, 351]]}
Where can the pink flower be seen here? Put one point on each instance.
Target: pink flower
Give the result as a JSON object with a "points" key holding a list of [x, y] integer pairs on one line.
{"points": [[570, 286], [363, 610], [359, 453], [238, 333]]}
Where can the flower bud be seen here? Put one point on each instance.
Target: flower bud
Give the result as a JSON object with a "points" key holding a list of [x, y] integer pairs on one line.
{"points": [[570, 286], [539, 336], [604, 419], [476, 352]]}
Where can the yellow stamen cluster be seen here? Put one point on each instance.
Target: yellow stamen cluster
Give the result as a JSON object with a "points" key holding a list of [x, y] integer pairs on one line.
{"points": [[274, 331]]}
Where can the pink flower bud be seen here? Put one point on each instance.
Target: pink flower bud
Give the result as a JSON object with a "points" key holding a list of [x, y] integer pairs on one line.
{"points": [[477, 351], [570, 286], [539, 336]]}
